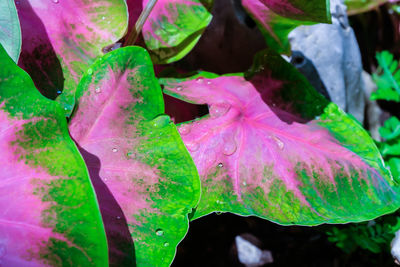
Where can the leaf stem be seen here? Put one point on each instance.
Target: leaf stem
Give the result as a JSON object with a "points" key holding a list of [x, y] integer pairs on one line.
{"points": [[135, 31]]}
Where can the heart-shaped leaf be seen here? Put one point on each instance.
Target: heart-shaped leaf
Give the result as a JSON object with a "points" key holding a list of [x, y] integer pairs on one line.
{"points": [[62, 38], [49, 216], [174, 27], [10, 31], [137, 152], [273, 147], [276, 19]]}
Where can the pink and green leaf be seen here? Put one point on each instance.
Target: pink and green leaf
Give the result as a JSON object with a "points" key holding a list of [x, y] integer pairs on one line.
{"points": [[10, 30], [135, 149], [174, 27], [276, 22], [273, 147], [50, 215], [61, 39]]}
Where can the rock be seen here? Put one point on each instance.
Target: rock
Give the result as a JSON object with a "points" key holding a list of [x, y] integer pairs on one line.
{"points": [[373, 111], [249, 253], [396, 248], [333, 51]]}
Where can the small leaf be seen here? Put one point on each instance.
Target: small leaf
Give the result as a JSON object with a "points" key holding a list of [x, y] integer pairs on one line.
{"points": [[62, 38], [391, 129], [10, 31], [135, 152], [49, 216], [174, 27], [386, 78], [272, 147]]}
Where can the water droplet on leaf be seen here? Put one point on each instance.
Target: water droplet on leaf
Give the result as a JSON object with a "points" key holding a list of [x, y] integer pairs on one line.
{"points": [[103, 18], [89, 71], [56, 1], [184, 129], [220, 165], [200, 80], [118, 217], [218, 212], [208, 82], [97, 90], [193, 146], [114, 150], [244, 183], [218, 110], [279, 142], [59, 92], [161, 121], [179, 88], [166, 244], [159, 232], [229, 147]]}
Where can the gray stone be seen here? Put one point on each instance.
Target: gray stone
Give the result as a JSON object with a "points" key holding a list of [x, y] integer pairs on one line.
{"points": [[333, 51], [249, 253]]}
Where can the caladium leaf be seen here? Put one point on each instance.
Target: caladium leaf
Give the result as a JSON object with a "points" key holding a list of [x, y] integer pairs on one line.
{"points": [[174, 27], [10, 31], [273, 147], [276, 19], [49, 214], [61, 39], [119, 120]]}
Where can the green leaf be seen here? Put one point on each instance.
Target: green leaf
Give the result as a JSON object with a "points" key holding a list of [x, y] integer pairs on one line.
{"points": [[391, 129], [50, 215], [387, 78], [10, 30]]}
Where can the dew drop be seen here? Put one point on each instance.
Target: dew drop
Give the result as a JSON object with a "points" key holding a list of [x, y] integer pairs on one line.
{"points": [[130, 155], [220, 165], [179, 88], [65, 108], [105, 179], [59, 92], [97, 90], [218, 110], [89, 71], [208, 82], [17, 2], [166, 244], [161, 121], [118, 217], [229, 147], [218, 212], [159, 232], [184, 129], [244, 183], [193, 146], [56, 1], [279, 142], [103, 18], [200, 80], [114, 150]]}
